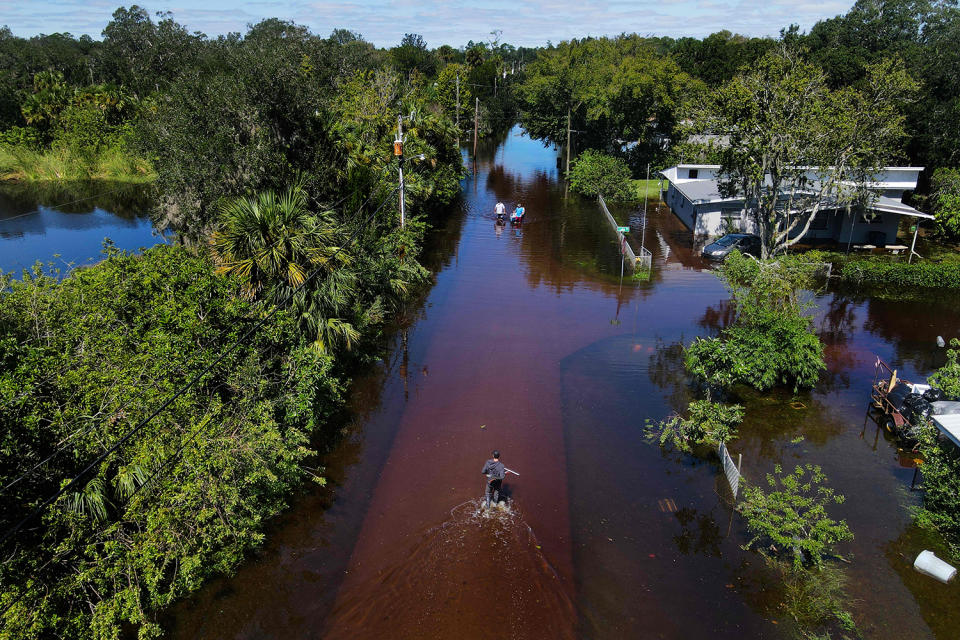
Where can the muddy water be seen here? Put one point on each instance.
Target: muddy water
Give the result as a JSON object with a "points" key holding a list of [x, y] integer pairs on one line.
{"points": [[528, 342]]}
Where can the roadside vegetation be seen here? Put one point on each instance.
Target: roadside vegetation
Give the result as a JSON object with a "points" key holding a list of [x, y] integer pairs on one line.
{"points": [[900, 276], [595, 173], [271, 155], [941, 462], [770, 343]]}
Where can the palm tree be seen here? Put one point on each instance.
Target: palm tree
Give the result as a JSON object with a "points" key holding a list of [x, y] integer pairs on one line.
{"points": [[273, 243]]}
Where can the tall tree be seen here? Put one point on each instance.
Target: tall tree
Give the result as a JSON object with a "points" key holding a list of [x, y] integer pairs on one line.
{"points": [[144, 55], [612, 91], [796, 147]]}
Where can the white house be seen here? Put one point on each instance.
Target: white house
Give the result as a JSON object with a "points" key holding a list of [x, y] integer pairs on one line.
{"points": [[694, 197]]}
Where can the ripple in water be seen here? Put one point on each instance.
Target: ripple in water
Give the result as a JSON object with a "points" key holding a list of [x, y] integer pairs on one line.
{"points": [[480, 574]]}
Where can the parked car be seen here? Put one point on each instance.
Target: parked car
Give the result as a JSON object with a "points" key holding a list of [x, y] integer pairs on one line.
{"points": [[721, 248]]}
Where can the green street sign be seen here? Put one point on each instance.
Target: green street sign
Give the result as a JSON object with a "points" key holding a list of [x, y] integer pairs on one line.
{"points": [[623, 229]]}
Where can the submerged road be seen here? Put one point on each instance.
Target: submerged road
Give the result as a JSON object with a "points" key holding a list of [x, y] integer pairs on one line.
{"points": [[529, 343]]}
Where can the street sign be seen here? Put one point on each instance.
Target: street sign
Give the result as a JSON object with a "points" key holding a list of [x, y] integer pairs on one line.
{"points": [[623, 229]]}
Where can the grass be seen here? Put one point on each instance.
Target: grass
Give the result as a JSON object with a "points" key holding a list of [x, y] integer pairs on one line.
{"points": [[23, 164], [650, 188]]}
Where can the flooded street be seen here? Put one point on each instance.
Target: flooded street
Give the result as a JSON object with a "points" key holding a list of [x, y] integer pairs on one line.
{"points": [[528, 342]]}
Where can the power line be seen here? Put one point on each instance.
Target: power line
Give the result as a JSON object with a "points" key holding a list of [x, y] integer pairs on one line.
{"points": [[66, 441], [143, 423], [203, 427], [65, 204]]}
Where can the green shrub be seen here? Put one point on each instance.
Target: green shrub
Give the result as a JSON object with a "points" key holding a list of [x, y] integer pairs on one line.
{"points": [[947, 378], [941, 462], [815, 598], [710, 423], [941, 486], [945, 197], [21, 137], [83, 360], [791, 519], [597, 173], [901, 275], [771, 341]]}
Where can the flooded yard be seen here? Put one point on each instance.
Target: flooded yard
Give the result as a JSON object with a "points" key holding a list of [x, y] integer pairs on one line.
{"points": [[530, 343]]}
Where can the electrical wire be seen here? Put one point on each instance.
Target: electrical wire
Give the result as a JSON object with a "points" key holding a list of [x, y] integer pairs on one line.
{"points": [[143, 423], [204, 427], [66, 441], [65, 204]]}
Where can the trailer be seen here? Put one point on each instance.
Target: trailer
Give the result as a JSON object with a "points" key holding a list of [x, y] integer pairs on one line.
{"points": [[904, 406]]}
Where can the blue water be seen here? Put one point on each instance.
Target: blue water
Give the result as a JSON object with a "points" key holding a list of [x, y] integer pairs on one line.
{"points": [[31, 233]]}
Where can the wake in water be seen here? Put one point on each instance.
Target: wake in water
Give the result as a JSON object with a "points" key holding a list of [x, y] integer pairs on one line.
{"points": [[480, 574]]}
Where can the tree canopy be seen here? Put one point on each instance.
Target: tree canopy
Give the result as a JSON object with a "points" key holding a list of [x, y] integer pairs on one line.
{"points": [[796, 147], [614, 91]]}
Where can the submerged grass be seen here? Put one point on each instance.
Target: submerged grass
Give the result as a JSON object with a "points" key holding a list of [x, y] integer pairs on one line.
{"points": [[24, 164], [816, 600], [650, 188]]}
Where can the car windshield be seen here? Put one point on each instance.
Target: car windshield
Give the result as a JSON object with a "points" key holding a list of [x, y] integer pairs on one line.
{"points": [[726, 241]]}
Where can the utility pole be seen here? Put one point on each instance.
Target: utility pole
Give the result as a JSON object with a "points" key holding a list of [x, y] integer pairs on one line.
{"points": [[398, 151], [568, 142], [458, 112], [476, 120], [643, 232]]}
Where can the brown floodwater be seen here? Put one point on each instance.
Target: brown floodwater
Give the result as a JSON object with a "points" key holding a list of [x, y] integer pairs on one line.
{"points": [[529, 342]]}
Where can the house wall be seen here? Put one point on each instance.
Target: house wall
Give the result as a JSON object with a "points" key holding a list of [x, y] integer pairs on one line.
{"points": [[681, 173], [831, 232], [705, 218], [681, 207], [710, 221], [884, 222]]}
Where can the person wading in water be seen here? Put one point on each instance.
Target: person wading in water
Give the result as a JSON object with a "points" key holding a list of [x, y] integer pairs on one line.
{"points": [[495, 472]]}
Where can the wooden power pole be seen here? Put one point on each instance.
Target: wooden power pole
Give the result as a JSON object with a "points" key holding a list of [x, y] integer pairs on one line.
{"points": [[568, 142]]}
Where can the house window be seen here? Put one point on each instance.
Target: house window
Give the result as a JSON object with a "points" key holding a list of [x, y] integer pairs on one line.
{"points": [[731, 220], [876, 218], [694, 173], [819, 222]]}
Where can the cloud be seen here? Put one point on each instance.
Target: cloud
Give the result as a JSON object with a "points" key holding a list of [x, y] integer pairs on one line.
{"points": [[384, 22]]}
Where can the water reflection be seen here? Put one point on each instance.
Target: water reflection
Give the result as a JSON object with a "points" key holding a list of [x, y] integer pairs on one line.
{"points": [[534, 346], [699, 533], [68, 222]]}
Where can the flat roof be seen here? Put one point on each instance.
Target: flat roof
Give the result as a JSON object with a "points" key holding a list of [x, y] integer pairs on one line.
{"points": [[717, 166], [892, 205], [949, 425], [699, 191], [706, 191]]}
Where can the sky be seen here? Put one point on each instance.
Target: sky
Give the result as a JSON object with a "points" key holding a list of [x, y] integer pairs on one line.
{"points": [[384, 22]]}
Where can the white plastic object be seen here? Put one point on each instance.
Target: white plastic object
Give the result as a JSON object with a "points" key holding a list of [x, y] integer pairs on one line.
{"points": [[928, 563]]}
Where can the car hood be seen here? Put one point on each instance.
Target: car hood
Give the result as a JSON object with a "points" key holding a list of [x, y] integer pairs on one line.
{"points": [[713, 246]]}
